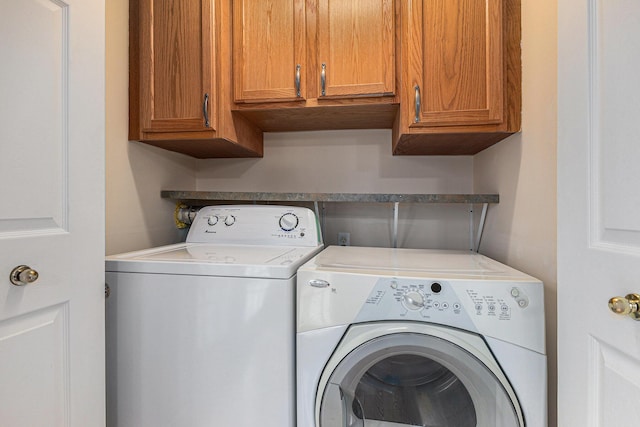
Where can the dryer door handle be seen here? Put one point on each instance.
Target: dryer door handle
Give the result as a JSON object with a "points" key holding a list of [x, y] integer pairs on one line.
{"points": [[340, 408], [352, 410]]}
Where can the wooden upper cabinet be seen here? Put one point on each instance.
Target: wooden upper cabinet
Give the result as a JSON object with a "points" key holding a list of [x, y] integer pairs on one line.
{"points": [[315, 64], [177, 58], [348, 46], [269, 50], [177, 51], [460, 75], [208, 76], [356, 54]]}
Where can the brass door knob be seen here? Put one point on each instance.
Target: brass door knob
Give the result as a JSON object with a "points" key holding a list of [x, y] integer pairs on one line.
{"points": [[627, 306], [23, 275]]}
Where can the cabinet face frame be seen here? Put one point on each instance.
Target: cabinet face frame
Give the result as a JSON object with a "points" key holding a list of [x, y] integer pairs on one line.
{"points": [[347, 72], [253, 51], [148, 79], [434, 110]]}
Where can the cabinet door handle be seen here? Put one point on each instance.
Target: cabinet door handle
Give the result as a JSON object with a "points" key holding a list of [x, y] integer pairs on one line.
{"points": [[323, 79], [417, 117], [298, 80], [205, 110]]}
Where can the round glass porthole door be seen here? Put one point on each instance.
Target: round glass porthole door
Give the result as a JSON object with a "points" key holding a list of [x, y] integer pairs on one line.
{"points": [[409, 379]]}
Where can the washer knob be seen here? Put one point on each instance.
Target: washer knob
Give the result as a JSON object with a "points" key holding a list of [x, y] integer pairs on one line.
{"points": [[413, 300], [229, 220], [213, 220], [289, 221]]}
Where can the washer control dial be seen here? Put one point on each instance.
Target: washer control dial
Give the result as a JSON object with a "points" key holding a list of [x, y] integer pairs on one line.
{"points": [[289, 221], [413, 300], [229, 220], [213, 220]]}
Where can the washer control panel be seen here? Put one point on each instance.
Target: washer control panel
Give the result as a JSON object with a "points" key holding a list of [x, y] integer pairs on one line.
{"points": [[255, 224]]}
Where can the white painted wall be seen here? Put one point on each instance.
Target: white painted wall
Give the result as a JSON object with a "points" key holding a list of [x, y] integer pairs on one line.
{"points": [[355, 162], [521, 229], [136, 217]]}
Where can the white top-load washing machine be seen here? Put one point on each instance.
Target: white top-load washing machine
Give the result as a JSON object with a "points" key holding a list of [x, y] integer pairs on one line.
{"points": [[202, 333], [408, 337]]}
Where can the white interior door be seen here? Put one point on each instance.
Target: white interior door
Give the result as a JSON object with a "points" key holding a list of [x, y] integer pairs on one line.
{"points": [[52, 212], [599, 210]]}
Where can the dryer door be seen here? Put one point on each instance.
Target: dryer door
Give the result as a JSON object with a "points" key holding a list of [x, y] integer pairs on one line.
{"points": [[411, 379]]}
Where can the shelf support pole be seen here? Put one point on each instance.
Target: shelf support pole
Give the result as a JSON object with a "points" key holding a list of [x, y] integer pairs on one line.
{"points": [[483, 217], [396, 206], [472, 227], [319, 220]]}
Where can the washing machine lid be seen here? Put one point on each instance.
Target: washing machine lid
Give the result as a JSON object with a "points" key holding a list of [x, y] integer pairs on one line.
{"points": [[258, 261], [437, 264]]}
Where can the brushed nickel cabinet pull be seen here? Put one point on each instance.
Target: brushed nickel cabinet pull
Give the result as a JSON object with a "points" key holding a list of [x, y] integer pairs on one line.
{"points": [[298, 80], [205, 110], [323, 79], [417, 117]]}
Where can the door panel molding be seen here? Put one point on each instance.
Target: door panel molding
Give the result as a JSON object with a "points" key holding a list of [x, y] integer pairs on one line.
{"points": [[614, 382], [26, 342], [611, 100], [42, 116]]}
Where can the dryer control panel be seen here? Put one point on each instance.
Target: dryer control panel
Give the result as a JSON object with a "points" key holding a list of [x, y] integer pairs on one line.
{"points": [[493, 308], [255, 225], [415, 299]]}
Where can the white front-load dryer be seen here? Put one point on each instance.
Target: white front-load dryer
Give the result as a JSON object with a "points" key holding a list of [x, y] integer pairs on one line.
{"points": [[201, 333], [407, 337]]}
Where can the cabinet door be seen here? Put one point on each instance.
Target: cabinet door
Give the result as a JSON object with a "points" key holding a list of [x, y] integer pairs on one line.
{"points": [[269, 50], [356, 48], [457, 76], [177, 65]]}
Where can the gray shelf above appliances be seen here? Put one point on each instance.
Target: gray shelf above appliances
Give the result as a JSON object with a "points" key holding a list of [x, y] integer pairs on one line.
{"points": [[190, 201], [200, 197]]}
